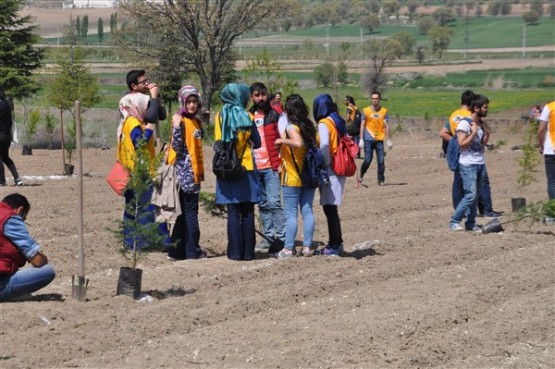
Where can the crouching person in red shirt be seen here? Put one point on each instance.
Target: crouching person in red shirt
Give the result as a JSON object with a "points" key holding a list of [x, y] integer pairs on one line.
{"points": [[16, 248]]}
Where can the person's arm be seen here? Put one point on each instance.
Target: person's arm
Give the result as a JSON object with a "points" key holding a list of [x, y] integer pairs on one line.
{"points": [[445, 134], [256, 142], [16, 231], [324, 134], [487, 131], [294, 138], [177, 134], [542, 131], [362, 128], [137, 134], [465, 138]]}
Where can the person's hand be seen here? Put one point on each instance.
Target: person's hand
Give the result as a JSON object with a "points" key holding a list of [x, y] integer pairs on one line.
{"points": [[154, 90], [389, 144], [150, 126], [176, 121], [361, 144]]}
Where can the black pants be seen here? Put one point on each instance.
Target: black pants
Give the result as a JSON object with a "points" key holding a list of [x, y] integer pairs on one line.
{"points": [[240, 231], [5, 159], [186, 232], [334, 226]]}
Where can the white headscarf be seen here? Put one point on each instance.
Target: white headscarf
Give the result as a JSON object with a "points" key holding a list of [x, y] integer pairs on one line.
{"points": [[134, 104]]}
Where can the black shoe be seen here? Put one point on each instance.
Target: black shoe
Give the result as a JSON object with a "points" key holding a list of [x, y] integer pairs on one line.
{"points": [[493, 214]]}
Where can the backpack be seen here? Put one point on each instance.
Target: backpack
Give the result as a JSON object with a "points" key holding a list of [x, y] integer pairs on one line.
{"points": [[343, 162], [315, 172], [452, 154], [354, 128], [226, 164]]}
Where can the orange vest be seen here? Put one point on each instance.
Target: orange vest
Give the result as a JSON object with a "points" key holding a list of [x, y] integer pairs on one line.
{"points": [[193, 140], [375, 122]]}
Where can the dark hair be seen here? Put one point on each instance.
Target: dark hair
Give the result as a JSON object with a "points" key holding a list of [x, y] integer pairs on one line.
{"points": [[350, 99], [133, 77], [466, 97], [478, 101], [16, 200], [297, 113], [376, 93], [257, 87]]}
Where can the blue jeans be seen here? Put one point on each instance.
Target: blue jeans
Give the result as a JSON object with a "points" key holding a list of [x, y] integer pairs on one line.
{"points": [[240, 231], [186, 232], [25, 281], [473, 179], [550, 172], [272, 218], [371, 145], [485, 204], [292, 198]]}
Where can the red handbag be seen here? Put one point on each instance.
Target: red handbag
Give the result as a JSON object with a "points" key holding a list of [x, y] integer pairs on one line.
{"points": [[118, 177]]}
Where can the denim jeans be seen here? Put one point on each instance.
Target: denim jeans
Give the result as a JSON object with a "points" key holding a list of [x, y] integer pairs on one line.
{"points": [[371, 145], [473, 180], [186, 232], [293, 197], [485, 203], [24, 281], [240, 231], [550, 172], [272, 217]]}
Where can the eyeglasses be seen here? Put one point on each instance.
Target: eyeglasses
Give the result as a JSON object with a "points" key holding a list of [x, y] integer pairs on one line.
{"points": [[143, 82]]}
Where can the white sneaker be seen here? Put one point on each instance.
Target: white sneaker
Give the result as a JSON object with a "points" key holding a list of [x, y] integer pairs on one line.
{"points": [[455, 227]]}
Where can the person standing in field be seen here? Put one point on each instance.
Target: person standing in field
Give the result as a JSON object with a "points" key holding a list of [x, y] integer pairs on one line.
{"points": [[546, 141], [330, 127], [6, 122], [374, 129], [233, 124], [299, 132], [265, 118], [185, 154]]}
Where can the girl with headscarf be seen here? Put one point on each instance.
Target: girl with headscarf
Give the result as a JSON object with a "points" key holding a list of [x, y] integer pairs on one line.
{"points": [[186, 156], [131, 132], [234, 124], [298, 133], [330, 127]]}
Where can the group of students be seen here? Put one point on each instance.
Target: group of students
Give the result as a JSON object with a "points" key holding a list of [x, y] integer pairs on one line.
{"points": [[271, 141]]}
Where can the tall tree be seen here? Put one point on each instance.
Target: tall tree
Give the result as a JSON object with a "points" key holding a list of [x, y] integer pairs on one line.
{"points": [[19, 58], [202, 33], [370, 22], [84, 30], [441, 38], [379, 54], [100, 30]]}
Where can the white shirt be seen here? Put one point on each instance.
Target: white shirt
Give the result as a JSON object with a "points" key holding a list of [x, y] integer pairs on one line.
{"points": [[474, 153]]}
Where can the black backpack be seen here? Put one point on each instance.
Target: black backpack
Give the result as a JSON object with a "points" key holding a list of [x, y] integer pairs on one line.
{"points": [[226, 163], [354, 128]]}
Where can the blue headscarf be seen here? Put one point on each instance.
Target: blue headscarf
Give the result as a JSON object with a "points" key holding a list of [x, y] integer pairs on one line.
{"points": [[234, 116], [323, 107]]}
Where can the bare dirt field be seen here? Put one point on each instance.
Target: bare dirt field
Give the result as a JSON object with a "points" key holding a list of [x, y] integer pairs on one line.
{"points": [[408, 293]]}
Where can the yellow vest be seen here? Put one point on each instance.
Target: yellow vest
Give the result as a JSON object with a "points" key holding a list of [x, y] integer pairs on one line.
{"points": [[334, 137], [194, 145], [241, 144], [126, 149], [456, 117], [375, 122], [289, 175], [551, 122]]}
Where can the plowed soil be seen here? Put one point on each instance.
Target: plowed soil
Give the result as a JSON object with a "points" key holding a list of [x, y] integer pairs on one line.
{"points": [[408, 293]]}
